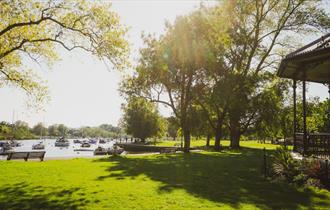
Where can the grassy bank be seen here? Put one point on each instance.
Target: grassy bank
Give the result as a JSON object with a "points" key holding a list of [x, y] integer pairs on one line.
{"points": [[206, 180]]}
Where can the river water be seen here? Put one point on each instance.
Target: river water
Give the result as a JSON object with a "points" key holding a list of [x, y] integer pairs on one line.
{"points": [[59, 152]]}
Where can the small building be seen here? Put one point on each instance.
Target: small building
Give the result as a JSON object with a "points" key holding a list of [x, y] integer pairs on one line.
{"points": [[310, 63]]}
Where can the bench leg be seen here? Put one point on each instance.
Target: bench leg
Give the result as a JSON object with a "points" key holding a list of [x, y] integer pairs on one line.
{"points": [[42, 157], [9, 156]]}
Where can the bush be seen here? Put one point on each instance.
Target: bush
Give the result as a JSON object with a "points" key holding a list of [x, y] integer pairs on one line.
{"points": [[284, 165], [317, 169], [314, 183], [300, 179], [310, 172]]}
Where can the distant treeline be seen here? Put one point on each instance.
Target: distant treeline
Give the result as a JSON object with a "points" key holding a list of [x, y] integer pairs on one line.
{"points": [[22, 130]]}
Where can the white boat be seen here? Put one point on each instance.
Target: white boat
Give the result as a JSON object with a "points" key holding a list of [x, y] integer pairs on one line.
{"points": [[62, 142], [38, 146], [85, 144], [14, 143], [115, 150], [77, 141], [102, 141], [92, 141], [100, 151], [6, 146]]}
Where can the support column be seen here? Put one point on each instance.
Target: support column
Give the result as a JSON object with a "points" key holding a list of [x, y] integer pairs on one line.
{"points": [[304, 115], [294, 114], [328, 124]]}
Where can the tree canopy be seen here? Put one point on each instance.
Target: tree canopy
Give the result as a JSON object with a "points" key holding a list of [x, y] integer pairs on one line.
{"points": [[34, 28], [222, 59], [141, 119]]}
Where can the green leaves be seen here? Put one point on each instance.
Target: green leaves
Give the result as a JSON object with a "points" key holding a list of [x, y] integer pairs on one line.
{"points": [[32, 29], [142, 120]]}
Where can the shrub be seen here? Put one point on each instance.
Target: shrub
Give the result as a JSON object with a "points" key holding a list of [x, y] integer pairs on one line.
{"points": [[300, 179], [311, 172], [314, 183], [284, 165], [317, 169]]}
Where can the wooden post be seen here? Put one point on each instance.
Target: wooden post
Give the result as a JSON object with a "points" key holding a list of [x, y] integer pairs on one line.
{"points": [[304, 116], [294, 114], [326, 169], [265, 163]]}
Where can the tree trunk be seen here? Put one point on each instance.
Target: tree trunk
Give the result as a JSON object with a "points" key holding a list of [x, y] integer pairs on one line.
{"points": [[235, 135], [186, 136], [208, 138], [218, 135]]}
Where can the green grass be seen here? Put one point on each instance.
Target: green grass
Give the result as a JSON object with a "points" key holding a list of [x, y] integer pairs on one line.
{"points": [[205, 180], [201, 143]]}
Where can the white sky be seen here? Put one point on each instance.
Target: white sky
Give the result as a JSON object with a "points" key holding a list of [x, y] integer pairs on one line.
{"points": [[83, 91]]}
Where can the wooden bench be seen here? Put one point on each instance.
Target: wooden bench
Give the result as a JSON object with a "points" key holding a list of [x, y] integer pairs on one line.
{"points": [[167, 150], [26, 155]]}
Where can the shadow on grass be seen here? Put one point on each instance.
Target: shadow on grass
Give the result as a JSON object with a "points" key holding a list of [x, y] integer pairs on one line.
{"points": [[231, 178], [22, 196]]}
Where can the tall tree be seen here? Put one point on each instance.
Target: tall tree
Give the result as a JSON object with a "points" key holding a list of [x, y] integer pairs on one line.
{"points": [[39, 130], [34, 28], [261, 32], [141, 119], [53, 130], [62, 129], [169, 68]]}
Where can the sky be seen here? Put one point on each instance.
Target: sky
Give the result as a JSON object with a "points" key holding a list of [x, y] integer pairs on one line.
{"points": [[83, 91]]}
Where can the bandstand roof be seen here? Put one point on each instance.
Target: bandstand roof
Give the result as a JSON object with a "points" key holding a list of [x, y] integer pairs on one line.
{"points": [[313, 58]]}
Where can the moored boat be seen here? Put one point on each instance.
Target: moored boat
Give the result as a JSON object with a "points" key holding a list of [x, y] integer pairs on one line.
{"points": [[92, 141], [115, 150], [6, 146], [14, 143], [85, 144], [100, 151], [62, 142], [77, 141], [38, 146]]}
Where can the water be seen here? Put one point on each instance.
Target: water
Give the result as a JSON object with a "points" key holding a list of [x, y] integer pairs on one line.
{"points": [[59, 152]]}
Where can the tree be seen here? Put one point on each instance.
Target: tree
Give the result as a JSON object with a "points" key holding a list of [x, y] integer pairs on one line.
{"points": [[169, 68], [39, 130], [261, 32], [114, 129], [34, 28], [62, 129], [53, 130], [5, 130], [172, 127], [141, 119], [21, 130]]}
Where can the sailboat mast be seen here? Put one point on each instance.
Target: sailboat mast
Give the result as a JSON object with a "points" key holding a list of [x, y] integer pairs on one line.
{"points": [[13, 126]]}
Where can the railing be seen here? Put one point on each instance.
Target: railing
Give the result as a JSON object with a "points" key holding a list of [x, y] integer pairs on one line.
{"points": [[298, 144], [317, 144]]}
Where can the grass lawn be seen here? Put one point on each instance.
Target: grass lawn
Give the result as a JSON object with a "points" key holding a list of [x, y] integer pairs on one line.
{"points": [[201, 143], [206, 180]]}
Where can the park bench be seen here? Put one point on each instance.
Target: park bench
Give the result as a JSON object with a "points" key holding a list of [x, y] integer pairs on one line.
{"points": [[167, 150], [26, 155]]}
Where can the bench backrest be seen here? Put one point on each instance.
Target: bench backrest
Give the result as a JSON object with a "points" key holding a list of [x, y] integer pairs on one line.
{"points": [[37, 154], [26, 155], [18, 155]]}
